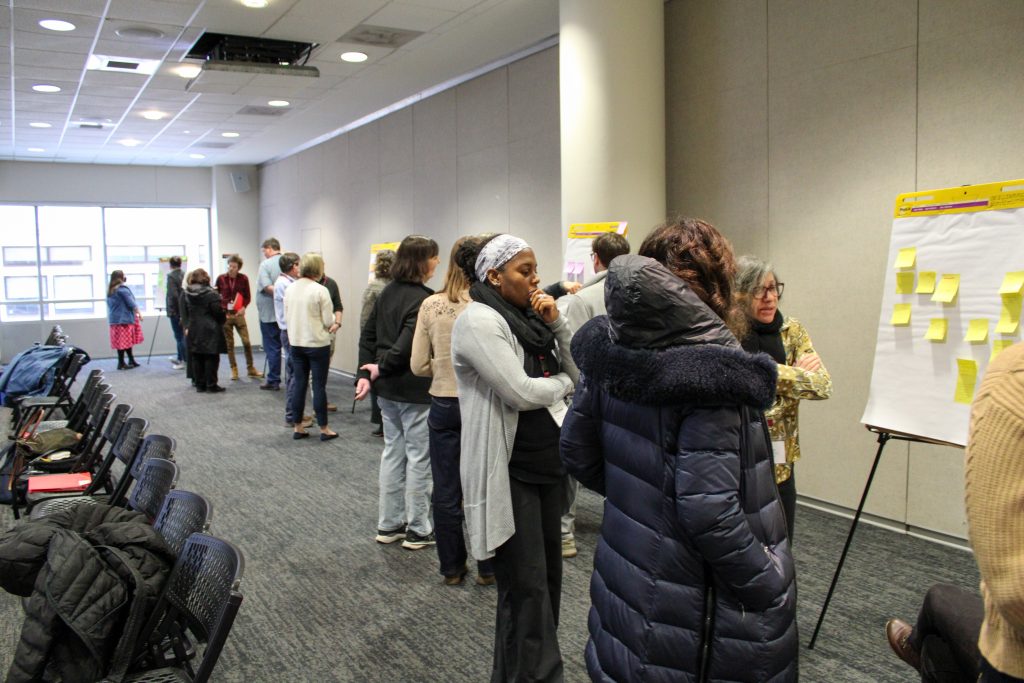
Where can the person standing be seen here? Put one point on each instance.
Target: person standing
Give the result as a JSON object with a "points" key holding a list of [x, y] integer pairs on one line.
{"points": [[310, 324], [230, 286], [338, 308], [125, 320], [693, 574], [203, 319], [432, 357], [510, 352], [381, 278], [172, 307], [269, 271], [289, 264], [802, 375], [578, 308], [384, 349]]}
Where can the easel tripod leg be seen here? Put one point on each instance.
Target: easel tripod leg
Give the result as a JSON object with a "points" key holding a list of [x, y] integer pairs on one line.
{"points": [[883, 438]]}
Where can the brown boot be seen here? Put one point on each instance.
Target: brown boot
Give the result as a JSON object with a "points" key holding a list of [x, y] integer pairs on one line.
{"points": [[898, 633], [253, 372], [234, 373]]}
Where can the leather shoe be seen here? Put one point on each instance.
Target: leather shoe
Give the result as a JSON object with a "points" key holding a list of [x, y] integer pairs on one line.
{"points": [[328, 437], [898, 633], [300, 435], [379, 431], [270, 387]]}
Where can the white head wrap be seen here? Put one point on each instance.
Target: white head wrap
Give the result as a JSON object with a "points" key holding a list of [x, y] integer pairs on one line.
{"points": [[497, 253]]}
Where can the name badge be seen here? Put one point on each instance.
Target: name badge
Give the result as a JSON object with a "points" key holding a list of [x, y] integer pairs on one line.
{"points": [[779, 452], [559, 409]]}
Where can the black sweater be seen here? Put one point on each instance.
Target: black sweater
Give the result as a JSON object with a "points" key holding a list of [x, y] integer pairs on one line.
{"points": [[386, 339]]}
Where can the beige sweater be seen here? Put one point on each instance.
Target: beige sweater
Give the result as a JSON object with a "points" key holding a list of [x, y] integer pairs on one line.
{"points": [[995, 507], [432, 342]]}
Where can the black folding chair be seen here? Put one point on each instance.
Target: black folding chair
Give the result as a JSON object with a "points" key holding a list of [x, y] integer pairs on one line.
{"points": [[60, 389], [199, 604], [40, 409], [183, 514]]}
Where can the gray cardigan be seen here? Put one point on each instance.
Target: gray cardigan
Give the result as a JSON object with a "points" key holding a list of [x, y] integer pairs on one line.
{"points": [[493, 388]]}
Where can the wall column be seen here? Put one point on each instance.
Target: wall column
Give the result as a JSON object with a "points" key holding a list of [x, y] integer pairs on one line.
{"points": [[612, 93]]}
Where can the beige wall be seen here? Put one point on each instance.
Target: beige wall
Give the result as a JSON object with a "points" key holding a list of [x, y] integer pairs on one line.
{"points": [[483, 156], [793, 125]]}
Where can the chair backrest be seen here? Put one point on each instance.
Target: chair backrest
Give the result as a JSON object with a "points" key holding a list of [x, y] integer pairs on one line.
{"points": [[108, 436], [201, 596], [157, 478], [117, 417], [153, 446], [86, 408], [183, 514], [65, 376], [125, 448], [92, 429], [56, 337]]}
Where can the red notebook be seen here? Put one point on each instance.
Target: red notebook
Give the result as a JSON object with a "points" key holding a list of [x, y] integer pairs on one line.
{"points": [[59, 483], [236, 305]]}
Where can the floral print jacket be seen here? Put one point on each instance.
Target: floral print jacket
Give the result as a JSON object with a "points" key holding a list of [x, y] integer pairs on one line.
{"points": [[794, 384]]}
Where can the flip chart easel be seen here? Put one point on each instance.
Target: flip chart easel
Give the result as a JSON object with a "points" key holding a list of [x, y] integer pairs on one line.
{"points": [[952, 303]]}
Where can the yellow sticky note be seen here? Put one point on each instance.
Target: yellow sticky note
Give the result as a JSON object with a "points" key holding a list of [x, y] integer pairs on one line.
{"points": [[906, 258], [905, 283], [900, 314], [1009, 318], [947, 288], [966, 376], [925, 282], [998, 346], [1013, 283], [977, 330], [937, 329]]}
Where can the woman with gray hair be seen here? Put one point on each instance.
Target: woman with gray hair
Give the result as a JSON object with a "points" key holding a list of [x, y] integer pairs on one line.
{"points": [[381, 277], [802, 375]]}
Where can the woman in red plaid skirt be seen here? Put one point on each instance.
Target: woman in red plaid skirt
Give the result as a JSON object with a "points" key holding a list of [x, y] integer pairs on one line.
{"points": [[125, 320]]}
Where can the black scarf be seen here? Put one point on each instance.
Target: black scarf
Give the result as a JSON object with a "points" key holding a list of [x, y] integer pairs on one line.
{"points": [[533, 333], [765, 337]]}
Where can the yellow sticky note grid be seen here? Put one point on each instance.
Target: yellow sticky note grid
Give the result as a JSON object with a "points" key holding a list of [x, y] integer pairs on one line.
{"points": [[1009, 318], [966, 377], [977, 330], [937, 329], [900, 314], [1012, 283], [906, 258], [925, 282], [947, 288], [905, 283], [998, 346]]}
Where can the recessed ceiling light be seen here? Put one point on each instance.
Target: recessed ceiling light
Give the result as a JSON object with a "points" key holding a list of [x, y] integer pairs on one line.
{"points": [[255, 4], [278, 103], [196, 156], [354, 57], [153, 115], [40, 124], [45, 87], [36, 149], [57, 25], [229, 135], [130, 142], [189, 71]]}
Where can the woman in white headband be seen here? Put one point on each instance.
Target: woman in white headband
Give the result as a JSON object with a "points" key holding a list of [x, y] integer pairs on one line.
{"points": [[510, 351]]}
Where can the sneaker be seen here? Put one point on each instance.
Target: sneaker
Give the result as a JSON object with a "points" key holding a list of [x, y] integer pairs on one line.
{"points": [[413, 541], [390, 536], [569, 547], [177, 365]]}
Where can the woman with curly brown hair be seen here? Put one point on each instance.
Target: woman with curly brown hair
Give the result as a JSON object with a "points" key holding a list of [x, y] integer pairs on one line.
{"points": [[693, 576]]}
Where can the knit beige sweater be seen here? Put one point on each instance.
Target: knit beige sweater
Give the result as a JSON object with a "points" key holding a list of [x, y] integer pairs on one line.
{"points": [[995, 507], [432, 342]]}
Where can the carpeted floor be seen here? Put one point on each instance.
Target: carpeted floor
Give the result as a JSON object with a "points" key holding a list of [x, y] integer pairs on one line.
{"points": [[324, 602]]}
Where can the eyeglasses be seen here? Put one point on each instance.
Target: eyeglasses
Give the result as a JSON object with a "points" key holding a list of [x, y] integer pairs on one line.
{"points": [[776, 289]]}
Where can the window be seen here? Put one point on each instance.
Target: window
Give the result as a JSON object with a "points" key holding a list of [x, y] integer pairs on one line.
{"points": [[56, 260]]}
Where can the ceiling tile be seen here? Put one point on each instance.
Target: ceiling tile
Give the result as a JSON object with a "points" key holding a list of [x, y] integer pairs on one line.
{"points": [[410, 17], [150, 12]]}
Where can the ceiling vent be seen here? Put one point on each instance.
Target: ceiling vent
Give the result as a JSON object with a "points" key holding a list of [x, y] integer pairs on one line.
{"points": [[122, 64], [91, 125], [214, 145], [259, 110], [379, 36]]}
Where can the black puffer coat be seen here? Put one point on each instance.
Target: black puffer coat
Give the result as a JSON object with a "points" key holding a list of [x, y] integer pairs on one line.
{"points": [[92, 574], [203, 318], [693, 577]]}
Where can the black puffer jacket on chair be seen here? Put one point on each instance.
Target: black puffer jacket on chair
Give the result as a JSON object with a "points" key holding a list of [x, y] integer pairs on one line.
{"points": [[693, 577]]}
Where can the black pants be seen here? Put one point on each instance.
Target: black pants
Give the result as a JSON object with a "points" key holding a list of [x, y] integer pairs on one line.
{"points": [[946, 634], [787, 494], [528, 570], [204, 369]]}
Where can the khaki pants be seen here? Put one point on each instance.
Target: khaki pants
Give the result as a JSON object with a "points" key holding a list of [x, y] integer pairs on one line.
{"points": [[237, 321]]}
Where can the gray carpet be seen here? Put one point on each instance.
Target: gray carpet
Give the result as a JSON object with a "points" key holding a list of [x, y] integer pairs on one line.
{"points": [[324, 602]]}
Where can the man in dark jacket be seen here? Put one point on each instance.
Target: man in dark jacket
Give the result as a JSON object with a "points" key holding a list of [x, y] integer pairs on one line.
{"points": [[693, 577], [92, 575], [172, 308]]}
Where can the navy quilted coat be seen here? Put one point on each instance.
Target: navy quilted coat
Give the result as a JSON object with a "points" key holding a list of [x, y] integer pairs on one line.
{"points": [[693, 577]]}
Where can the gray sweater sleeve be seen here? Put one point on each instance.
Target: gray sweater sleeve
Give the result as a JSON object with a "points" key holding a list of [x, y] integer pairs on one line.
{"points": [[488, 345]]}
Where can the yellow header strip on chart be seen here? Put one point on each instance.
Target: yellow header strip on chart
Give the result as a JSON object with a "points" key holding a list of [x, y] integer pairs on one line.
{"points": [[1008, 194], [586, 231]]}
